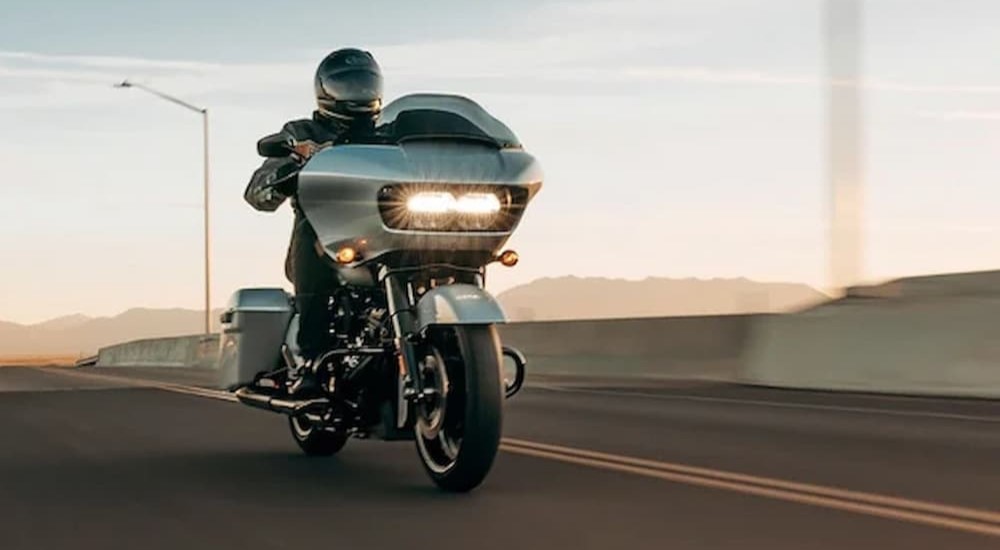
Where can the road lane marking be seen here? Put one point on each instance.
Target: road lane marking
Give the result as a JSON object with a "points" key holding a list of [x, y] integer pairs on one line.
{"points": [[971, 520], [218, 394], [775, 404], [870, 498], [167, 386], [767, 492]]}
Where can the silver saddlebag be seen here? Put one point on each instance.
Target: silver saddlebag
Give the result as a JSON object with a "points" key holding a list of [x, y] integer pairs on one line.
{"points": [[253, 330]]}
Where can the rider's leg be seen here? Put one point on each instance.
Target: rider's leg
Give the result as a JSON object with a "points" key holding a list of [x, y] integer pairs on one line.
{"points": [[314, 282]]}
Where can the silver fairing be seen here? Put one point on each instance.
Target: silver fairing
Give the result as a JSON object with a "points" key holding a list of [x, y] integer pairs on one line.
{"points": [[339, 187]]}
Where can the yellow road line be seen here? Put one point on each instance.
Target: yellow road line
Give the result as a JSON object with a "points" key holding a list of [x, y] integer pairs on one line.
{"points": [[958, 518], [167, 386], [778, 494], [870, 498]]}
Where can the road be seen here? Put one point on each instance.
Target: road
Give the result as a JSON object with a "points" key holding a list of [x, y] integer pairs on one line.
{"points": [[90, 461]]}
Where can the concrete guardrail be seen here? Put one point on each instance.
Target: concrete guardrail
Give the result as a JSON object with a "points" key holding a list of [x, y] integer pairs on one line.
{"points": [[926, 335], [702, 347], [706, 347], [182, 351], [923, 336]]}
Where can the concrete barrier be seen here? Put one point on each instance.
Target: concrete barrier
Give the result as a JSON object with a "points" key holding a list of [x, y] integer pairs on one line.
{"points": [[927, 335], [674, 347], [702, 347], [182, 351], [974, 284]]}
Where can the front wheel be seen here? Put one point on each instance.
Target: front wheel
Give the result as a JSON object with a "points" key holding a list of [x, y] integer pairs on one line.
{"points": [[460, 418]]}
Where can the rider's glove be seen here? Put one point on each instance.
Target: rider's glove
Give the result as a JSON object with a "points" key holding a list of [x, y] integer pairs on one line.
{"points": [[285, 178], [304, 150]]}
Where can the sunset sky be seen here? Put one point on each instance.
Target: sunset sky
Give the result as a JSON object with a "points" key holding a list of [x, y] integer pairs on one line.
{"points": [[679, 137]]}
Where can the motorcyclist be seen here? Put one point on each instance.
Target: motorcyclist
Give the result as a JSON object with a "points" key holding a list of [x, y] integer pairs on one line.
{"points": [[348, 87]]}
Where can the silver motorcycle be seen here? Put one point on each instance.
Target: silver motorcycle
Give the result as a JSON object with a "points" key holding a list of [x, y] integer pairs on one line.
{"points": [[409, 222]]}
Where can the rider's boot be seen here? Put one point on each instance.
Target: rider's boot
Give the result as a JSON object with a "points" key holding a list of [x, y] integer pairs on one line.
{"points": [[305, 380]]}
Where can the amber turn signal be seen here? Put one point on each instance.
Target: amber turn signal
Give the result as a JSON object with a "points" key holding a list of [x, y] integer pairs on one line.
{"points": [[509, 258], [346, 255]]}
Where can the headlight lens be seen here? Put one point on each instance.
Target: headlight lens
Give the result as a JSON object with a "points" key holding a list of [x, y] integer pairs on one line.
{"points": [[431, 203], [446, 203], [452, 207], [477, 204]]}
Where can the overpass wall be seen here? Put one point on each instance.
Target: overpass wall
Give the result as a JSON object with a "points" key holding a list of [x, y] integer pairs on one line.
{"points": [[925, 335], [686, 347], [182, 351], [706, 347], [936, 335]]}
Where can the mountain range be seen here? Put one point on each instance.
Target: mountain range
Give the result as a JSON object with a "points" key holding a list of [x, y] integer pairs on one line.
{"points": [[544, 299], [79, 334]]}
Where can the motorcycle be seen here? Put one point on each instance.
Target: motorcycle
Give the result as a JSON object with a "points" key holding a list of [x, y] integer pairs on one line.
{"points": [[409, 221]]}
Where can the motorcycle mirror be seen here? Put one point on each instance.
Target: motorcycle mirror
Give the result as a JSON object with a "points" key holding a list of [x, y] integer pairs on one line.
{"points": [[275, 145]]}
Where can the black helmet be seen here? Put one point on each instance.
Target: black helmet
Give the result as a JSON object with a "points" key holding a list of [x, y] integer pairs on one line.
{"points": [[349, 85]]}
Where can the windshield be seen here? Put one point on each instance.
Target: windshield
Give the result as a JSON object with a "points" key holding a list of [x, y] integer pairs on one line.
{"points": [[418, 116]]}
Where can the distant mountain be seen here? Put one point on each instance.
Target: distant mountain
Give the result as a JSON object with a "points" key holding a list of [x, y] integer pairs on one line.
{"points": [[596, 298], [544, 299], [63, 323], [11, 330], [78, 334]]}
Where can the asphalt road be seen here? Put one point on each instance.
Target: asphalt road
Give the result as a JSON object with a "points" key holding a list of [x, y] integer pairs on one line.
{"points": [[94, 462]]}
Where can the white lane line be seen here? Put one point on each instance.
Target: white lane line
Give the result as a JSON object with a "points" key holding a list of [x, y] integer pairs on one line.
{"points": [[774, 404]]}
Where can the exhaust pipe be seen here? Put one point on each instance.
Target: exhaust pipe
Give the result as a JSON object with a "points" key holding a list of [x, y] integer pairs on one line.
{"points": [[278, 404]]}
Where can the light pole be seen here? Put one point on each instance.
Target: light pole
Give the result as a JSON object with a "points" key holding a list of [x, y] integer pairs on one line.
{"points": [[204, 119], [845, 139]]}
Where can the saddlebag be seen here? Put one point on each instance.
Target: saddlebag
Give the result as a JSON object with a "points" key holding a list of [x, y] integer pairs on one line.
{"points": [[253, 330]]}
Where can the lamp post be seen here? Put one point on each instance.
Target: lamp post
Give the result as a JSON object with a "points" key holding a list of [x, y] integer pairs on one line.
{"points": [[845, 139], [204, 118]]}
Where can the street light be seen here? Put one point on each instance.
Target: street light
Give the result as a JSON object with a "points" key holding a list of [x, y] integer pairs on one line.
{"points": [[204, 118], [843, 21]]}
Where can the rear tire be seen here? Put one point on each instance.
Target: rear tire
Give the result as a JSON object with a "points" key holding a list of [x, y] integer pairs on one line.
{"points": [[314, 441], [458, 449]]}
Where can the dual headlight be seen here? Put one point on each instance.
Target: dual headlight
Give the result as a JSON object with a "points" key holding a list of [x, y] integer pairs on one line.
{"points": [[454, 208], [470, 204]]}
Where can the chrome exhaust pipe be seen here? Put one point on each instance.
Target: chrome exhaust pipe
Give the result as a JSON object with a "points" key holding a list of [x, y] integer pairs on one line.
{"points": [[279, 404], [253, 399]]}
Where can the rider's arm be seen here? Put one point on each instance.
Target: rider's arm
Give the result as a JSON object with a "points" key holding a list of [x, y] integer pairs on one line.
{"points": [[272, 183], [275, 180]]}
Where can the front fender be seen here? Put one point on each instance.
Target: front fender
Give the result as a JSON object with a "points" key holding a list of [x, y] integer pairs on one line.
{"points": [[458, 304]]}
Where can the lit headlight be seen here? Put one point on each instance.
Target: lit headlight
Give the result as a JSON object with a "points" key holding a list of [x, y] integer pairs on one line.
{"points": [[477, 203], [452, 207], [446, 203], [431, 203]]}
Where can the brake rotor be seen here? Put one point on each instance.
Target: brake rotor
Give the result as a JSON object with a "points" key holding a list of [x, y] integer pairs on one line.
{"points": [[432, 409]]}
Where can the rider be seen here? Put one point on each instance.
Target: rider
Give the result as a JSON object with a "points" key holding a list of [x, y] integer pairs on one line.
{"points": [[348, 88]]}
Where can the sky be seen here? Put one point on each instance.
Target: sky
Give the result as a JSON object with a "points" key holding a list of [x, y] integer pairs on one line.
{"points": [[680, 138]]}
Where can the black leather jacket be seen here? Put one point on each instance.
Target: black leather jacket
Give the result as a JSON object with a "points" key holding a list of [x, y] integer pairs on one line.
{"points": [[274, 181]]}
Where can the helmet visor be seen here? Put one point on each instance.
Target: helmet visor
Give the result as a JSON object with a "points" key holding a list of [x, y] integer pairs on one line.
{"points": [[356, 86]]}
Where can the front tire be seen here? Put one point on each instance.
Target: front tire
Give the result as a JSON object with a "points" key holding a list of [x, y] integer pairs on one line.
{"points": [[315, 441], [458, 435]]}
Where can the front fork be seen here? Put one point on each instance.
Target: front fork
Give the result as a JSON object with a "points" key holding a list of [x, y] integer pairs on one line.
{"points": [[401, 303], [399, 300]]}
